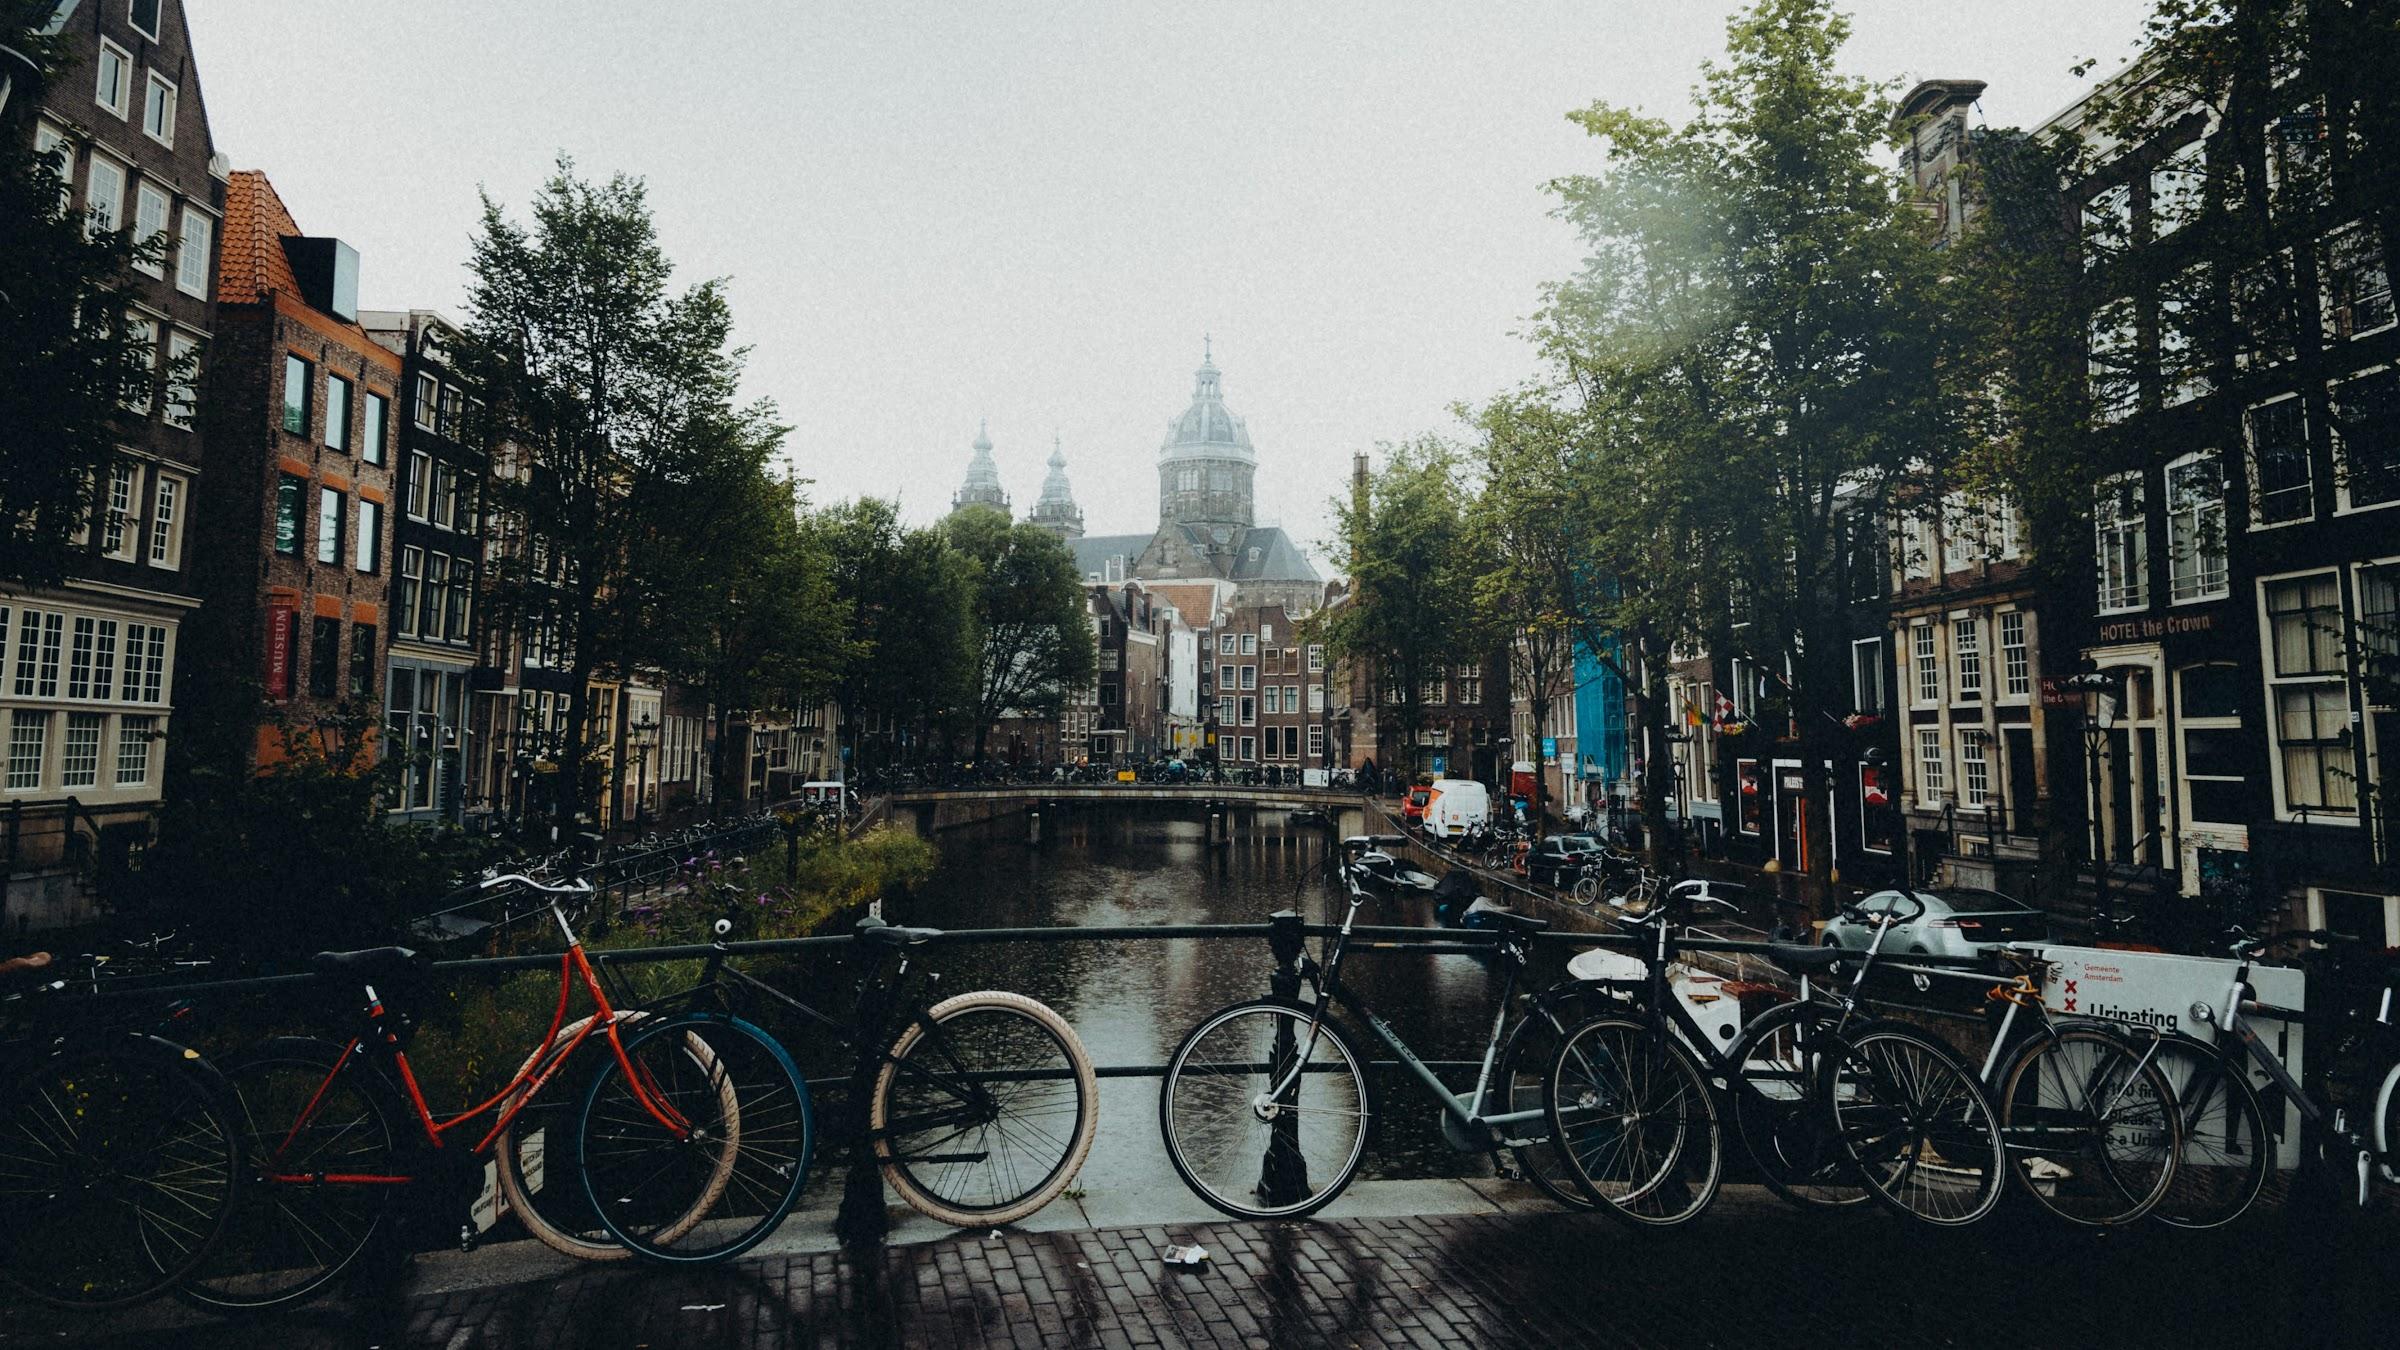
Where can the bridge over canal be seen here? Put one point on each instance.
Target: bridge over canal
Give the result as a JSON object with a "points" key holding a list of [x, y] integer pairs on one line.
{"points": [[1222, 806]]}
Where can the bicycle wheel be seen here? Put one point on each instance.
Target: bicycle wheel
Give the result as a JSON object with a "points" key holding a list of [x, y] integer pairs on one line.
{"points": [[1923, 1132], [1586, 891], [310, 1211], [1782, 1108], [1243, 1145], [985, 1109], [1521, 1072], [545, 1199], [2227, 1150], [663, 1142], [1634, 1119], [2090, 1125], [120, 1165]]}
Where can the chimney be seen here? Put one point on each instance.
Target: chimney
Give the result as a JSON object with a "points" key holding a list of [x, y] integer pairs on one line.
{"points": [[328, 272]]}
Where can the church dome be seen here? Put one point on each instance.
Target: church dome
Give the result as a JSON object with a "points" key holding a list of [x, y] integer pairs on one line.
{"points": [[982, 487], [1207, 429]]}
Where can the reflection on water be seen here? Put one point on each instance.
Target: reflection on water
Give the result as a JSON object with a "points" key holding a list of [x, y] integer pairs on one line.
{"points": [[1132, 1002]]}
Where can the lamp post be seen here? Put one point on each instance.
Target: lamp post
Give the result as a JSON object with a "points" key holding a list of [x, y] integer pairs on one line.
{"points": [[642, 739]]}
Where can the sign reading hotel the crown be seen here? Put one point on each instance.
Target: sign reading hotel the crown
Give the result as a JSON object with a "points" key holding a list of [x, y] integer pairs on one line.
{"points": [[2150, 627]]}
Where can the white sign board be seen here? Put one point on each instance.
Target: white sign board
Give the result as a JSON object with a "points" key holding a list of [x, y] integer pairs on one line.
{"points": [[2156, 989], [1315, 777]]}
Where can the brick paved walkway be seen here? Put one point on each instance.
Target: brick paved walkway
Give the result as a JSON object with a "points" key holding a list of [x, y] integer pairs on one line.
{"points": [[1751, 1274]]}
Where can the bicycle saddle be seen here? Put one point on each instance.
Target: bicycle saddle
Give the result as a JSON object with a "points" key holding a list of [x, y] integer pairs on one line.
{"points": [[1802, 960], [894, 935], [371, 964]]}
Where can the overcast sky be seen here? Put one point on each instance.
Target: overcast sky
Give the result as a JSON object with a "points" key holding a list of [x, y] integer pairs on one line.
{"points": [[932, 214]]}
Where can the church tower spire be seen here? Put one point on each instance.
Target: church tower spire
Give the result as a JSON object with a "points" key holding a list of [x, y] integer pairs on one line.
{"points": [[982, 487], [1206, 463], [1057, 511]]}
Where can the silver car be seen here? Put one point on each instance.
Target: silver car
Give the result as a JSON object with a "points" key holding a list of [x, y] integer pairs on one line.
{"points": [[1955, 921]]}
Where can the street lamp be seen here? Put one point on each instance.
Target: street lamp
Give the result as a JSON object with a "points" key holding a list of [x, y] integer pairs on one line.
{"points": [[642, 738]]}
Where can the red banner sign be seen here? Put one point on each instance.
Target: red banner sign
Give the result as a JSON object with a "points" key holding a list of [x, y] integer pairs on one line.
{"points": [[282, 624]]}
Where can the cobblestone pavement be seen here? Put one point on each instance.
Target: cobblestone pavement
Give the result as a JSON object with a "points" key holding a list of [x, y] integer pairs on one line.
{"points": [[1751, 1274]]}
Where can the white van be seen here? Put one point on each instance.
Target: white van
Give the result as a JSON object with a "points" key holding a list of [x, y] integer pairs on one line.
{"points": [[1456, 805]]}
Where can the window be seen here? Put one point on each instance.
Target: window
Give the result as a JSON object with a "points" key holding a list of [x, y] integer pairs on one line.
{"points": [[2184, 360], [329, 525], [52, 144], [1959, 528], [1249, 644], [1225, 645], [1225, 711], [362, 660], [446, 484], [158, 109], [145, 664], [1470, 686], [295, 395], [1743, 685], [287, 514], [2107, 224], [142, 332], [143, 15], [1316, 742], [2296, 160], [79, 659], [1225, 677], [1249, 677], [2366, 428], [375, 430], [2016, 659], [369, 550], [2262, 314], [2115, 392], [79, 758], [1932, 772], [1316, 698], [1291, 742], [454, 409], [1316, 658], [1249, 748], [183, 379], [429, 606], [2196, 529], [420, 474], [2177, 187], [1291, 698], [1249, 711], [134, 733], [404, 598], [337, 413], [192, 255], [1929, 664], [166, 522], [115, 82], [1966, 651], [1866, 675], [2284, 484], [1974, 772], [38, 636], [428, 401], [150, 206], [1436, 688], [2215, 782], [2304, 618], [462, 592], [104, 658], [104, 194], [2358, 286], [28, 745], [325, 657], [2122, 529], [119, 519]]}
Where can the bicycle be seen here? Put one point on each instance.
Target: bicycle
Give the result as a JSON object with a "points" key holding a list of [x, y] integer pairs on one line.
{"points": [[120, 1150], [981, 1110], [1824, 1106], [332, 1167], [1264, 1108], [2229, 1143]]}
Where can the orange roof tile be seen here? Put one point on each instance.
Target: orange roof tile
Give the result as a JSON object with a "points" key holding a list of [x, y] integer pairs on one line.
{"points": [[250, 258]]}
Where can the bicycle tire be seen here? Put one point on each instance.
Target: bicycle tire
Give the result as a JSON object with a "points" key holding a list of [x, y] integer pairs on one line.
{"points": [[1924, 1133], [643, 1179], [121, 1164], [294, 1236], [915, 1095], [2089, 1094], [2227, 1147], [1586, 891], [1785, 1122], [559, 1215], [1521, 1073], [1635, 1120], [1213, 1103]]}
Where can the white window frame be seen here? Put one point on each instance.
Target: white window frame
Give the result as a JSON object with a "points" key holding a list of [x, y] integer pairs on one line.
{"points": [[2339, 326], [2276, 684], [123, 93], [136, 24], [1925, 663], [121, 512], [2343, 468], [428, 402], [1933, 767], [170, 501], [152, 84], [2121, 542], [2250, 464], [113, 217], [2016, 658], [1858, 687], [2111, 368], [1966, 656], [2189, 163], [192, 265], [183, 392], [149, 224], [51, 139], [2192, 516], [2183, 296], [2107, 224], [1974, 769]]}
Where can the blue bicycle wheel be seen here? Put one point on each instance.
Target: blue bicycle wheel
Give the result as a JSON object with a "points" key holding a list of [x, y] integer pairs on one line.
{"points": [[699, 1153]]}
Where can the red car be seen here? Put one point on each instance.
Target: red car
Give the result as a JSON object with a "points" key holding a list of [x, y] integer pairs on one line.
{"points": [[1412, 811]]}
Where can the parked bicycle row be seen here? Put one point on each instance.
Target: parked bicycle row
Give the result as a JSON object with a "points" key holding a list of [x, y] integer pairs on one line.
{"points": [[682, 1131]]}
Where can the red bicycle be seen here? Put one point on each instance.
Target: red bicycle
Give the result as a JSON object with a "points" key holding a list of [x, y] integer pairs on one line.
{"points": [[333, 1167]]}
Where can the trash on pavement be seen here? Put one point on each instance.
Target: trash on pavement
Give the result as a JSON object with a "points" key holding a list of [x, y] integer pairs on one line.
{"points": [[1185, 1256]]}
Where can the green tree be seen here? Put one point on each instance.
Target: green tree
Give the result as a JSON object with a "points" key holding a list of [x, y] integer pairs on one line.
{"points": [[1032, 636], [905, 599], [1412, 611], [69, 365], [607, 399], [1525, 532]]}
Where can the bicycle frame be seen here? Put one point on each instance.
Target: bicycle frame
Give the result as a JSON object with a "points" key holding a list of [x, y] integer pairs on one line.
{"points": [[574, 966]]}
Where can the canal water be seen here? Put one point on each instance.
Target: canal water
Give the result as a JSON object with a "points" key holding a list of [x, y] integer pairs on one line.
{"points": [[1133, 1002]]}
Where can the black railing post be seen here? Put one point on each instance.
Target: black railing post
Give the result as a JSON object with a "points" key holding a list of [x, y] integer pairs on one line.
{"points": [[1283, 1172]]}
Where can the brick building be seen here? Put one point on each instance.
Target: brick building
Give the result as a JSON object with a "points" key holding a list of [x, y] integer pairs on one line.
{"points": [[89, 669]]}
